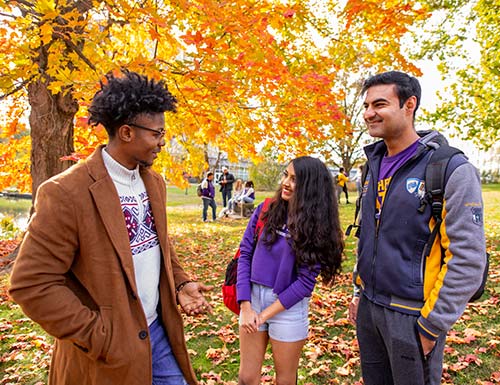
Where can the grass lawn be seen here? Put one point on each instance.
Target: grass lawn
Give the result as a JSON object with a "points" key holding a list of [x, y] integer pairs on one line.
{"points": [[330, 355]]}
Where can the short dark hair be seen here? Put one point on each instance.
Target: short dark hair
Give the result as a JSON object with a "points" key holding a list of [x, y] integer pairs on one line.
{"points": [[126, 95], [406, 85], [209, 173]]}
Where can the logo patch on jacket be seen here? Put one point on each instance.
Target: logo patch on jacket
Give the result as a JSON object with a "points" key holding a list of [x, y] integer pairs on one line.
{"points": [[477, 215], [415, 187]]}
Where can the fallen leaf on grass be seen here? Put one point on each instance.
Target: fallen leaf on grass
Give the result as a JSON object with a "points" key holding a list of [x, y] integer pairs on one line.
{"points": [[343, 371], [217, 355]]}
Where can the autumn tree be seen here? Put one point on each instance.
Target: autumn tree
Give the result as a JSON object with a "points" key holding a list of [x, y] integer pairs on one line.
{"points": [[244, 73], [371, 38], [469, 105]]}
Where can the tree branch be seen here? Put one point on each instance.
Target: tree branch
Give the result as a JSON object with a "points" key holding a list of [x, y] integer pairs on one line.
{"points": [[25, 7], [8, 15], [16, 89], [72, 46]]}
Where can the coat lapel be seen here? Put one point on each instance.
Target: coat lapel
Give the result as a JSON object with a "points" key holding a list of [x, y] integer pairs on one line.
{"points": [[108, 205], [158, 200], [158, 205]]}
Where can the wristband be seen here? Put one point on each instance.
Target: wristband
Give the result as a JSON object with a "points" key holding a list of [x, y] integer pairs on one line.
{"points": [[181, 286]]}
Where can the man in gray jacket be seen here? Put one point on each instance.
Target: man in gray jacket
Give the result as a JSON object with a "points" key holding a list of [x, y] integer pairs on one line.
{"points": [[405, 302]]}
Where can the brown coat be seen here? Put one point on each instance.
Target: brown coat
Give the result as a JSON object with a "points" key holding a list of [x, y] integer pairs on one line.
{"points": [[74, 275]]}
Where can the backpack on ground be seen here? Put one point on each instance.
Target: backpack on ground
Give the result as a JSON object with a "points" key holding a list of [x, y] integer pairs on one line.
{"points": [[199, 190], [229, 285], [435, 172]]}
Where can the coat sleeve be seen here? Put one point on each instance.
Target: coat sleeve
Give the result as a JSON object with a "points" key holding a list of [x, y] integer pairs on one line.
{"points": [[463, 241], [180, 275], [39, 278]]}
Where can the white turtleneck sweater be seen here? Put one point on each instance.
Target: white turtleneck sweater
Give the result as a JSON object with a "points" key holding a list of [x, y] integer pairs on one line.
{"points": [[141, 229]]}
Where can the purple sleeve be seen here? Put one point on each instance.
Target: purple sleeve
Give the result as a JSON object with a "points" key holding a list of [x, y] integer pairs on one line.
{"points": [[300, 288], [243, 285]]}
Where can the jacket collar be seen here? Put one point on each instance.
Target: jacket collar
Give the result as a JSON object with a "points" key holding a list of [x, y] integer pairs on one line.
{"points": [[428, 140]]}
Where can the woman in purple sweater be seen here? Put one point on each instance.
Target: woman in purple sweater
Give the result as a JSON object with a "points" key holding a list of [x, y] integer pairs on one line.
{"points": [[301, 239]]}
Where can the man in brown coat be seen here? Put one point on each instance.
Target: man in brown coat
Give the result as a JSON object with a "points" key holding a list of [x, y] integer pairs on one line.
{"points": [[96, 269]]}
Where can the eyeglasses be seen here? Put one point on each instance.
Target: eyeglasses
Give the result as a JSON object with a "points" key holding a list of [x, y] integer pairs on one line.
{"points": [[159, 132]]}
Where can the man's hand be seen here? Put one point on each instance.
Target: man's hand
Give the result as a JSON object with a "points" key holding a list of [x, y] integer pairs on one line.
{"points": [[353, 310], [191, 299], [427, 344]]}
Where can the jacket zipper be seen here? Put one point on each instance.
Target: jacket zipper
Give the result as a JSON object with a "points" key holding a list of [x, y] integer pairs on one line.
{"points": [[377, 228]]}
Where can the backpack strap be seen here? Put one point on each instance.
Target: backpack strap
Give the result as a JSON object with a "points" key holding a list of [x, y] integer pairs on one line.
{"points": [[260, 222], [435, 173], [354, 224]]}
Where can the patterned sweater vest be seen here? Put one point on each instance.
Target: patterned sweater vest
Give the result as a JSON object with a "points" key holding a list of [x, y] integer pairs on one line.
{"points": [[138, 218]]}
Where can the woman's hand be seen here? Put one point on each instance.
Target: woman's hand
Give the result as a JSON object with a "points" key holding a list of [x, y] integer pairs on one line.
{"points": [[249, 319]]}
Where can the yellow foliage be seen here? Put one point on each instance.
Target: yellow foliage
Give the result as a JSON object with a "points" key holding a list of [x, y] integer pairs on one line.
{"points": [[244, 73]]}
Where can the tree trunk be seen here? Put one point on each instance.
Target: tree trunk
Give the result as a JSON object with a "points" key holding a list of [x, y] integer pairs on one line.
{"points": [[51, 121]]}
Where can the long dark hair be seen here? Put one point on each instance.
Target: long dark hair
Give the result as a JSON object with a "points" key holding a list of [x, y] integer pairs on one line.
{"points": [[312, 218]]}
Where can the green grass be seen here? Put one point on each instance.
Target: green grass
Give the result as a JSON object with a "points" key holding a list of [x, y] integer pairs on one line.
{"points": [[24, 346], [330, 355], [14, 206], [491, 187]]}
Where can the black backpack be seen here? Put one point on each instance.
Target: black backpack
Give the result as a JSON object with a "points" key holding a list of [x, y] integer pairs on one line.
{"points": [[199, 190], [435, 172]]}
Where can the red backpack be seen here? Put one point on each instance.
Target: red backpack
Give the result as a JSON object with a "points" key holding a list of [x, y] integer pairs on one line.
{"points": [[229, 285]]}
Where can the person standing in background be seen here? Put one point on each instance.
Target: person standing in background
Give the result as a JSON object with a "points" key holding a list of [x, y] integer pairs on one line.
{"points": [[208, 196], [342, 180], [226, 181]]}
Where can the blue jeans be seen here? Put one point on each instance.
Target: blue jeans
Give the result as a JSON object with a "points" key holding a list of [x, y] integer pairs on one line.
{"points": [[226, 196], [209, 202], [166, 371], [248, 200]]}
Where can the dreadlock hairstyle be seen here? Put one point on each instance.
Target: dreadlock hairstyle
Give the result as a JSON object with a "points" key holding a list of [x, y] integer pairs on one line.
{"points": [[124, 96], [312, 218]]}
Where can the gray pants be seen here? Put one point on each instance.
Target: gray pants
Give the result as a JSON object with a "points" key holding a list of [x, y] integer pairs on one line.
{"points": [[390, 349]]}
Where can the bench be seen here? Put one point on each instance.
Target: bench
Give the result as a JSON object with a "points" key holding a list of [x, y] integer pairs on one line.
{"points": [[244, 209]]}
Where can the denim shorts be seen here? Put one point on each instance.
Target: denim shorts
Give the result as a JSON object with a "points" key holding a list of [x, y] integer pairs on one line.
{"points": [[290, 325]]}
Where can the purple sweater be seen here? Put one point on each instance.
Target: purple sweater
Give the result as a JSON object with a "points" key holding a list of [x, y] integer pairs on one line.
{"points": [[272, 266]]}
